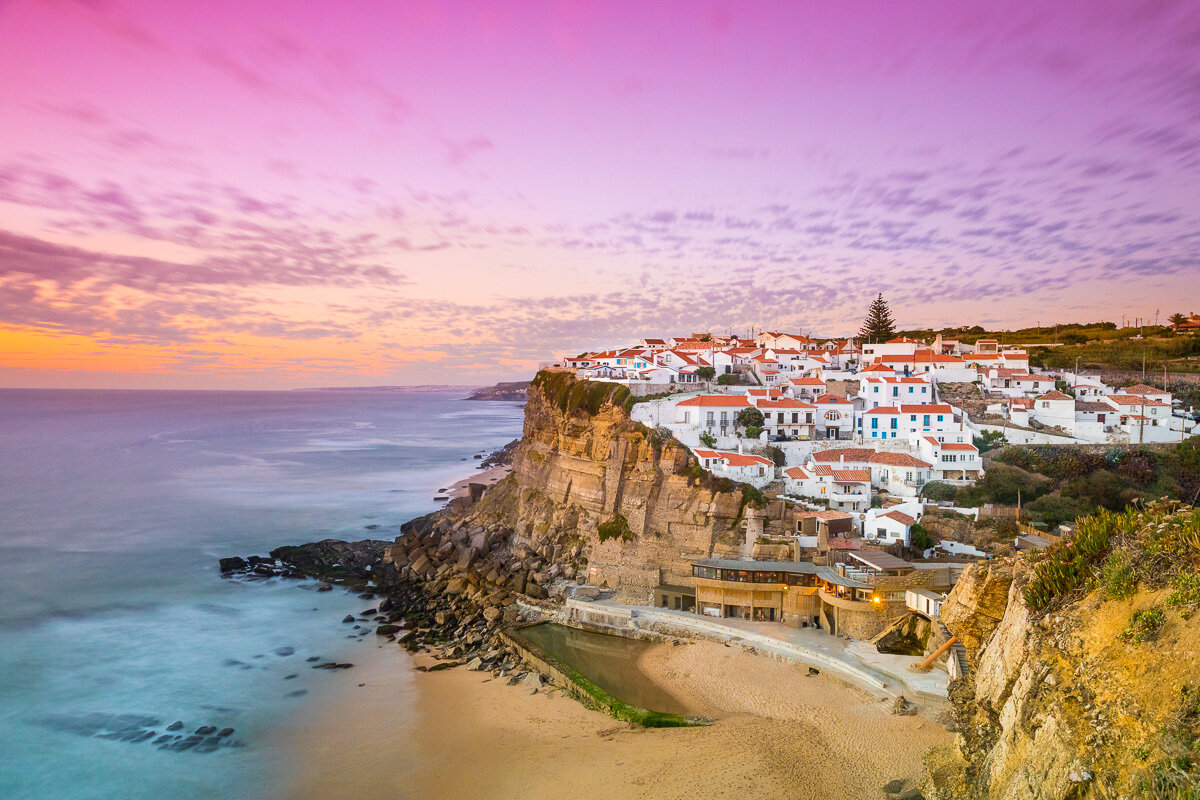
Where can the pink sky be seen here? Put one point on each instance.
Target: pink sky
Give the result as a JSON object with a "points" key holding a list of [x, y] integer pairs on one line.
{"points": [[283, 194]]}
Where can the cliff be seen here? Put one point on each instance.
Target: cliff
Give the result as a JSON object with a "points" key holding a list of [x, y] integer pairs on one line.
{"points": [[512, 390], [625, 499], [1083, 667]]}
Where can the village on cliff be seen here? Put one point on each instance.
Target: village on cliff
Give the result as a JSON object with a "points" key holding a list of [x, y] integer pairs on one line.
{"points": [[846, 441]]}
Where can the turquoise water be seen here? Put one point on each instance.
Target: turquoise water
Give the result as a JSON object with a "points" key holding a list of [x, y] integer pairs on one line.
{"points": [[114, 507]]}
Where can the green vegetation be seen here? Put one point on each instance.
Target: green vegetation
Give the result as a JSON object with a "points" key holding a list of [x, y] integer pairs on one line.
{"points": [[919, 538], [1154, 546], [1186, 594], [1058, 483], [572, 396], [706, 373], [1123, 353], [753, 432], [1117, 577], [879, 325], [615, 528], [708, 440], [1173, 776], [776, 454], [989, 440], [1144, 626], [749, 418], [1065, 566], [938, 491], [729, 379]]}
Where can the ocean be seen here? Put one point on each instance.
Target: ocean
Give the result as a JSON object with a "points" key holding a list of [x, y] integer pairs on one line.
{"points": [[114, 621]]}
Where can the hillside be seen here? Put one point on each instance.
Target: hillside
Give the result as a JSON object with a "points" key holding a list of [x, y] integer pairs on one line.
{"points": [[1084, 665]]}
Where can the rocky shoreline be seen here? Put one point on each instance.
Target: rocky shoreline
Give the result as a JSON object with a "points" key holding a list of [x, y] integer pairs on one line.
{"points": [[447, 589]]}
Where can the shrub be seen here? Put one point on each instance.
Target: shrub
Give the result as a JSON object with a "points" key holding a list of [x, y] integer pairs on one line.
{"points": [[615, 528], [571, 396], [989, 440], [1186, 594], [1144, 626], [938, 491], [749, 418], [919, 538], [776, 454], [1117, 577], [1068, 564], [729, 379], [708, 440], [753, 432]]}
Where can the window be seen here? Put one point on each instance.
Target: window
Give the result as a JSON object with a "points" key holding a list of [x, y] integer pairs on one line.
{"points": [[950, 458], [724, 417], [895, 391], [874, 423], [913, 418], [795, 418], [895, 423], [710, 418], [687, 416], [940, 416], [908, 477], [926, 423]]}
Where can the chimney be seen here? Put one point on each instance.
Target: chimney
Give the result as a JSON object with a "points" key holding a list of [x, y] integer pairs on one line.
{"points": [[739, 447], [842, 457]]}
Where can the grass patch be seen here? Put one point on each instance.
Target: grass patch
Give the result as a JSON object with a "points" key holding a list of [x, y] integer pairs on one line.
{"points": [[1186, 594], [615, 528], [573, 396], [1117, 577], [1144, 626]]}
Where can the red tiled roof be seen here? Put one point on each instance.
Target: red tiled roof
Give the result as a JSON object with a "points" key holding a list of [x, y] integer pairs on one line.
{"points": [[852, 475], [783, 403], [715, 400], [898, 460], [1141, 389], [796, 473], [1054, 394], [899, 516], [839, 454], [1134, 400], [959, 446], [830, 399], [927, 408]]}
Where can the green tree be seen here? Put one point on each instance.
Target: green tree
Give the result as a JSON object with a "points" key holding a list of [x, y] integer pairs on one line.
{"points": [[989, 440], [749, 418], [708, 440], [879, 325], [706, 373], [729, 379], [919, 538], [1177, 320]]}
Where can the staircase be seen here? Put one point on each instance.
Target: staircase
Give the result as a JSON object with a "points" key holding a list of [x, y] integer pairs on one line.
{"points": [[957, 652]]}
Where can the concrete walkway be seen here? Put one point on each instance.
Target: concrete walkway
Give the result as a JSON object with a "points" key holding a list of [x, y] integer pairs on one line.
{"points": [[857, 661]]}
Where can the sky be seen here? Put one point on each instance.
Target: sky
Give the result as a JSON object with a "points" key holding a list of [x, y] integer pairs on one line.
{"points": [[272, 195]]}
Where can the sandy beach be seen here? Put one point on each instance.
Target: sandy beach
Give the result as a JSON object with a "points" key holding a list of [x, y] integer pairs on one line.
{"points": [[459, 734], [484, 476]]}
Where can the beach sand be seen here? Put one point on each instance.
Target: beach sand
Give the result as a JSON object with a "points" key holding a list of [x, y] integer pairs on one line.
{"points": [[484, 476], [457, 734]]}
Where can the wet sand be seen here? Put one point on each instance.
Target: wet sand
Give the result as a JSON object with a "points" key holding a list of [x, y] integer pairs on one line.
{"points": [[485, 476], [458, 734]]}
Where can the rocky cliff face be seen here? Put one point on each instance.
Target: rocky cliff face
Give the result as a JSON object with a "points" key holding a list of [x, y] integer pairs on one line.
{"points": [[588, 480], [1060, 705]]}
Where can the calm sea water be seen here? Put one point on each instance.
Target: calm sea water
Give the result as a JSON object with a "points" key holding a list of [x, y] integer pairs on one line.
{"points": [[114, 507]]}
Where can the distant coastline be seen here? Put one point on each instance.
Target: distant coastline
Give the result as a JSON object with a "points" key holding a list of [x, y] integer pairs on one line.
{"points": [[512, 390]]}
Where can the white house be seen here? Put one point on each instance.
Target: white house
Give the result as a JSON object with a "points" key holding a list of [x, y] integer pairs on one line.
{"points": [[889, 390], [787, 417], [888, 527], [842, 489], [807, 388], [899, 474], [834, 417], [956, 461], [752, 469], [907, 422], [711, 413], [874, 351], [1054, 409]]}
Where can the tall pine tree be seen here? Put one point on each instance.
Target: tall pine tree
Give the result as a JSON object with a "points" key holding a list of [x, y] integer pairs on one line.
{"points": [[878, 326]]}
